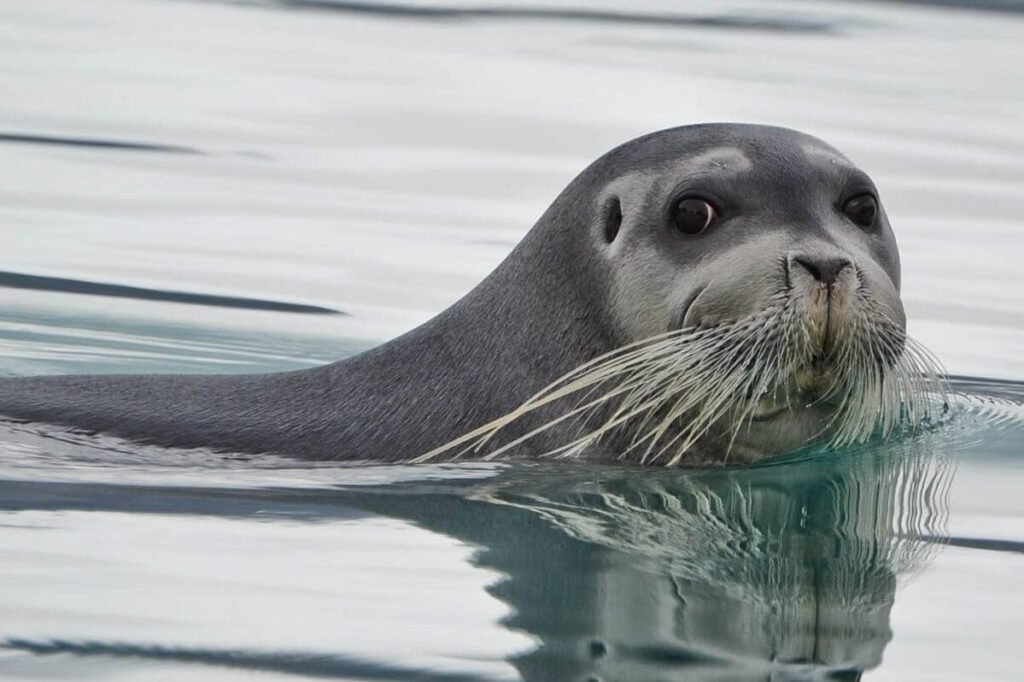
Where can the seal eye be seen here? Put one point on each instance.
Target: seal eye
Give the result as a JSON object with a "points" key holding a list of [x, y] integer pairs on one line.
{"points": [[692, 215], [862, 209]]}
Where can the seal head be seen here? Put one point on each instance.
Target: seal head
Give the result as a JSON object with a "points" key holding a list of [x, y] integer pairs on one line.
{"points": [[751, 279]]}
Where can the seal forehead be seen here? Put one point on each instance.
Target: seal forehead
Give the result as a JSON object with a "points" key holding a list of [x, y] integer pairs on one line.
{"points": [[726, 160], [821, 153]]}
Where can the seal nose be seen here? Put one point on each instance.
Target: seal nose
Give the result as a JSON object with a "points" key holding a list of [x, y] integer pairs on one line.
{"points": [[824, 269]]}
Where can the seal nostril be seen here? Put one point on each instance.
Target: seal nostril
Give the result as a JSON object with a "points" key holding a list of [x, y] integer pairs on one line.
{"points": [[825, 270]]}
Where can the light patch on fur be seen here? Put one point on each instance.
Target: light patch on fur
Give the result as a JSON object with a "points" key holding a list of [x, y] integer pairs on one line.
{"points": [[631, 190], [721, 161], [638, 302], [634, 283], [823, 153]]}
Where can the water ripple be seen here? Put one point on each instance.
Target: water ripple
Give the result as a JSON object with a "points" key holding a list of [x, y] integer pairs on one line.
{"points": [[327, 666], [121, 145], [17, 280], [989, 403], [749, 21]]}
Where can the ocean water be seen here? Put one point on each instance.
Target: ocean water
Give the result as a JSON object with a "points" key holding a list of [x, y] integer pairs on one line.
{"points": [[190, 186]]}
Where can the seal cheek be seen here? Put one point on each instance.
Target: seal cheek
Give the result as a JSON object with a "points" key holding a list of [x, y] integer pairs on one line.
{"points": [[686, 319]]}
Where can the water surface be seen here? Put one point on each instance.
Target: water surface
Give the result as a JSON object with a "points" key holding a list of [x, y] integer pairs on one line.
{"points": [[234, 187]]}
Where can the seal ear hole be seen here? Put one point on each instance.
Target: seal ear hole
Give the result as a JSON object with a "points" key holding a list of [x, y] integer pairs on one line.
{"points": [[612, 220]]}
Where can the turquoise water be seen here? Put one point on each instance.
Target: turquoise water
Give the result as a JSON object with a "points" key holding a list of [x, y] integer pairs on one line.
{"points": [[240, 187]]}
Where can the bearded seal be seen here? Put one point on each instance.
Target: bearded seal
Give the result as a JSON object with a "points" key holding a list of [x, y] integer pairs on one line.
{"points": [[706, 294]]}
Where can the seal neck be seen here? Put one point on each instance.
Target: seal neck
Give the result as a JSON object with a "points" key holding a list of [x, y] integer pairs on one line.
{"points": [[537, 316]]}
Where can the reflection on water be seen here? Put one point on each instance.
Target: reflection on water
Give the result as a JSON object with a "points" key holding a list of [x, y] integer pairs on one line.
{"points": [[786, 571], [634, 575]]}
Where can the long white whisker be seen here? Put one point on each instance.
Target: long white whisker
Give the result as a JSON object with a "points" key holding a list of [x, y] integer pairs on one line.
{"points": [[667, 393]]}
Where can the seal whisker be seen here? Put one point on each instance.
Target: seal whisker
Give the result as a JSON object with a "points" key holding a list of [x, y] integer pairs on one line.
{"points": [[670, 391]]}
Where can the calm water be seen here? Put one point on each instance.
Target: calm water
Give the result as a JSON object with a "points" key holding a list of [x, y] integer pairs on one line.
{"points": [[236, 187]]}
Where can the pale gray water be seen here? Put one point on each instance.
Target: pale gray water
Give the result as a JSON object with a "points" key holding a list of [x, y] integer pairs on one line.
{"points": [[199, 167]]}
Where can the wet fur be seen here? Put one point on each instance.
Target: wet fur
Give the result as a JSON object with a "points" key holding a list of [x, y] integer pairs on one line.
{"points": [[562, 298]]}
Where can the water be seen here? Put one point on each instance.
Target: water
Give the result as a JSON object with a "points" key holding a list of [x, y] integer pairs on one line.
{"points": [[208, 167]]}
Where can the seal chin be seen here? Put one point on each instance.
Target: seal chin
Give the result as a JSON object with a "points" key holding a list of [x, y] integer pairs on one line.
{"points": [[778, 427], [815, 380], [809, 385], [798, 412]]}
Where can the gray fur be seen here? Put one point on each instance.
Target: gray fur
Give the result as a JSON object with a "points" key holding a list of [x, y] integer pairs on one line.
{"points": [[561, 298]]}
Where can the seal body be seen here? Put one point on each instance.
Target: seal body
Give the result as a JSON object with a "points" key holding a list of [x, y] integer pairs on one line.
{"points": [[613, 261]]}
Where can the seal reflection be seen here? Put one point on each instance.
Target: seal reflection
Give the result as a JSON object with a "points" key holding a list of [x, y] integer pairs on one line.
{"points": [[778, 572]]}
